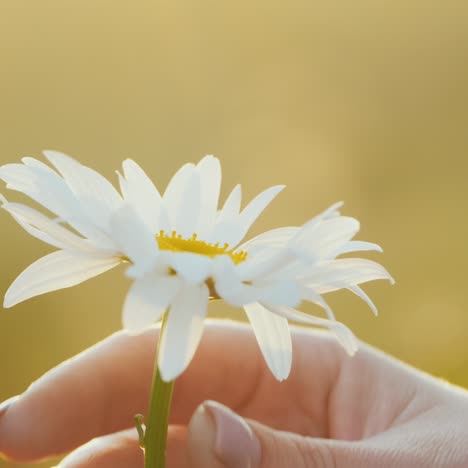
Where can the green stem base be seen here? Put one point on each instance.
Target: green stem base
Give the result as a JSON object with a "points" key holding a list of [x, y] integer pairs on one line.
{"points": [[157, 421]]}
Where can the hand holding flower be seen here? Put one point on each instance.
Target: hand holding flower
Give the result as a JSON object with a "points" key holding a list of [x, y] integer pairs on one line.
{"points": [[333, 411]]}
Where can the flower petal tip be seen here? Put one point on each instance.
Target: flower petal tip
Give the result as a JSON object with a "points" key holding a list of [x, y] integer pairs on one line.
{"points": [[50, 152], [8, 302], [53, 155], [283, 376], [133, 330], [168, 376]]}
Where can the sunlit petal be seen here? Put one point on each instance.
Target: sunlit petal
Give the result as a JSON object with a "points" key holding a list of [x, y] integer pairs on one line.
{"points": [[355, 246], [186, 221], [141, 193], [183, 331], [231, 207], [336, 274], [255, 208], [134, 239], [97, 197], [322, 240], [274, 338], [147, 300], [57, 270], [342, 332], [193, 268], [62, 237], [175, 190], [209, 170]]}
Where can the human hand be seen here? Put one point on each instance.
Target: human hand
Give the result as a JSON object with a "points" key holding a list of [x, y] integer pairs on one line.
{"points": [[333, 411]]}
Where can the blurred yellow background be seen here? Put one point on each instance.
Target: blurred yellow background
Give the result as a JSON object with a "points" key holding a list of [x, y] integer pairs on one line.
{"points": [[362, 101]]}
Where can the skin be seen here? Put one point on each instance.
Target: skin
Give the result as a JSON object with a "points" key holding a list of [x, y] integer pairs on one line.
{"points": [[333, 411]]}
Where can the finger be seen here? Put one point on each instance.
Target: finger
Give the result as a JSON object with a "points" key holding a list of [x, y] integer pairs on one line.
{"points": [[219, 438], [65, 408], [122, 450], [119, 450], [100, 390]]}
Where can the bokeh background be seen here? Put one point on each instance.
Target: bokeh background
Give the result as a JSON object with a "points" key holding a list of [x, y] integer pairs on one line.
{"points": [[362, 101]]}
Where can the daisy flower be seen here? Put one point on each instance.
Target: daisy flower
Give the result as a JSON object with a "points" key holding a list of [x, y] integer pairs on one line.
{"points": [[182, 250]]}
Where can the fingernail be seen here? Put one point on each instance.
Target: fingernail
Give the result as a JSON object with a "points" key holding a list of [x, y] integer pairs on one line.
{"points": [[235, 443], [6, 404]]}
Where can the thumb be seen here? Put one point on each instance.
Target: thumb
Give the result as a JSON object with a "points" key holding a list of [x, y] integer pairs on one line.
{"points": [[219, 438]]}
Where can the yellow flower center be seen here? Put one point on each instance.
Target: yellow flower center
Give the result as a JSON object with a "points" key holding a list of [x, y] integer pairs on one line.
{"points": [[176, 243]]}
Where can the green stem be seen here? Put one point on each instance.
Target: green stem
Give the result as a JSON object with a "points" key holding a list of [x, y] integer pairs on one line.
{"points": [[158, 417]]}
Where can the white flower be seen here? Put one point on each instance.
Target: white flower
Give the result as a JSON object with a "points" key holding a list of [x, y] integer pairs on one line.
{"points": [[182, 251]]}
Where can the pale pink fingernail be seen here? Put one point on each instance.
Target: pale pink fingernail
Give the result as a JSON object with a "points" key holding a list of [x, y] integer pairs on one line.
{"points": [[235, 443], [6, 404]]}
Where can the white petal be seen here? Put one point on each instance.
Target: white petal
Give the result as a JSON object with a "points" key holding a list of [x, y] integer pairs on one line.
{"points": [[329, 213], [232, 205], [336, 274], [189, 210], [274, 338], [309, 294], [209, 170], [192, 267], [32, 230], [359, 292], [61, 236], [184, 327], [97, 196], [230, 287], [274, 238], [142, 193], [147, 300], [263, 263], [135, 240], [175, 191], [354, 246], [92, 232], [33, 162], [164, 221], [253, 210], [46, 187], [285, 293], [57, 270], [238, 294], [43, 186], [225, 232], [342, 332], [332, 211], [123, 184], [322, 240], [223, 266], [42, 236]]}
